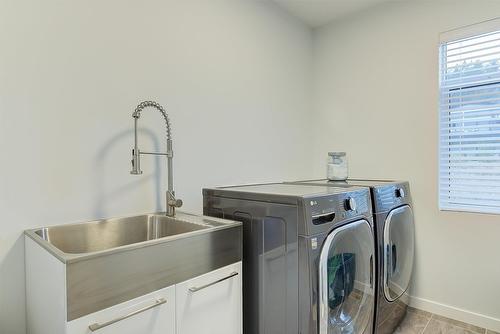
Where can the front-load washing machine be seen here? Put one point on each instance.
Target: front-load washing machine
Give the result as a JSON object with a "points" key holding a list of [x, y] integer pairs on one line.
{"points": [[394, 232], [308, 256]]}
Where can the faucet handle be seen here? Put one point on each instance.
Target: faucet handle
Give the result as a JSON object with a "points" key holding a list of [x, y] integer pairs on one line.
{"points": [[177, 203], [172, 201]]}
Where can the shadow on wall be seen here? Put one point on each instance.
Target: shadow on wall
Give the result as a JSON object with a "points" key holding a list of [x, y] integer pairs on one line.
{"points": [[12, 272], [12, 289], [102, 196]]}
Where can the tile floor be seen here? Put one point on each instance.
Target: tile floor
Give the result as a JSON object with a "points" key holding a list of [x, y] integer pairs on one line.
{"points": [[421, 322]]}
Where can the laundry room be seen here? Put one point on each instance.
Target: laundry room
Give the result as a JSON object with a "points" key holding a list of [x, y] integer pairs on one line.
{"points": [[250, 167]]}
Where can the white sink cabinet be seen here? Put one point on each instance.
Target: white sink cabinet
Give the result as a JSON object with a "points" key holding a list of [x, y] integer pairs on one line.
{"points": [[210, 303]]}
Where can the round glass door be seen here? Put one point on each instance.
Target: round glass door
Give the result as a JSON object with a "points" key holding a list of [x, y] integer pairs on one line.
{"points": [[346, 280], [399, 241]]}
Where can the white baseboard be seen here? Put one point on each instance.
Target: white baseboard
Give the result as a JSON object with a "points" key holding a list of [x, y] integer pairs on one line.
{"points": [[456, 313]]}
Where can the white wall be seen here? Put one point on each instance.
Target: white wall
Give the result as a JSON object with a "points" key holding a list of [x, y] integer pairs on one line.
{"points": [[234, 76], [376, 79]]}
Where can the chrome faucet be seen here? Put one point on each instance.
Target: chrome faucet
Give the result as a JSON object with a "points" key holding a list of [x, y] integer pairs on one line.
{"points": [[172, 202]]}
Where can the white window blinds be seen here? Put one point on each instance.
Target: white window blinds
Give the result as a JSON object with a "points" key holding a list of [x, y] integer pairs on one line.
{"points": [[469, 134]]}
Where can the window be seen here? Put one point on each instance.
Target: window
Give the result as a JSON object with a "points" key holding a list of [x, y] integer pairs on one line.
{"points": [[469, 117]]}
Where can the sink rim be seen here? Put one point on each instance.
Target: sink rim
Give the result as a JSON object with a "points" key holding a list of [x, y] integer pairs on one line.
{"points": [[180, 215]]}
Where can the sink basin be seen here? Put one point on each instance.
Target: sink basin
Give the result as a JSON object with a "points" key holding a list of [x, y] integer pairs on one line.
{"points": [[80, 241], [111, 233]]}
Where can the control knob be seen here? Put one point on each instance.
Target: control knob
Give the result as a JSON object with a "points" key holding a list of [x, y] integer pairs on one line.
{"points": [[400, 193], [350, 204]]}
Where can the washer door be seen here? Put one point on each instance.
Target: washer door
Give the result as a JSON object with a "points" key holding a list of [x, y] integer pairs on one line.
{"points": [[346, 282], [399, 244]]}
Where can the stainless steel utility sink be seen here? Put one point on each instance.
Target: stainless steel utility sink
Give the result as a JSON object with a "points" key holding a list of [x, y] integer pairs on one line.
{"points": [[111, 233], [113, 260]]}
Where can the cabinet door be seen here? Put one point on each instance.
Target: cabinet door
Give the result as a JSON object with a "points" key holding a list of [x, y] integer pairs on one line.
{"points": [[211, 303], [153, 313]]}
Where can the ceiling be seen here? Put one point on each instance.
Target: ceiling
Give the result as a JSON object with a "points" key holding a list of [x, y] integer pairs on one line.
{"points": [[318, 12]]}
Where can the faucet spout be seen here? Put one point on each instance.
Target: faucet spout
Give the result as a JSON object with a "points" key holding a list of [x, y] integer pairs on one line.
{"points": [[171, 201]]}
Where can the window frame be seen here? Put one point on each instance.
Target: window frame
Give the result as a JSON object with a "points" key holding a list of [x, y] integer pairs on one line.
{"points": [[472, 31]]}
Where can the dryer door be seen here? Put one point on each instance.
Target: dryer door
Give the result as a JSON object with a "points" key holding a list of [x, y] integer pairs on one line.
{"points": [[346, 281], [399, 244]]}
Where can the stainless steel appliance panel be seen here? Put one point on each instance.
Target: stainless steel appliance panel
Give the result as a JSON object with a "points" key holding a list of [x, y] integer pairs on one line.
{"points": [[270, 265]]}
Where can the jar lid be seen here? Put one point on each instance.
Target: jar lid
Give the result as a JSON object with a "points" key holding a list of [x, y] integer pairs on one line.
{"points": [[336, 154]]}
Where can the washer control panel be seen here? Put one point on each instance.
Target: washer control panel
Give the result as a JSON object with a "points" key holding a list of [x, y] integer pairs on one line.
{"points": [[400, 192], [341, 205], [350, 204], [391, 195]]}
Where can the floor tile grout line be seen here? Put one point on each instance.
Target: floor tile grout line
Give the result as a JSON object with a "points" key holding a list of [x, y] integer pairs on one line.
{"points": [[427, 324], [463, 326], [444, 319]]}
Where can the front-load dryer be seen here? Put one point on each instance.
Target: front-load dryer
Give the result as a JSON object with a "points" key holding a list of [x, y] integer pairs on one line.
{"points": [[395, 237], [308, 256]]}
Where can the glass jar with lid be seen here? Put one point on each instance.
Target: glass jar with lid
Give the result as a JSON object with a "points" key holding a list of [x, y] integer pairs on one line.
{"points": [[336, 168]]}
